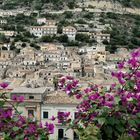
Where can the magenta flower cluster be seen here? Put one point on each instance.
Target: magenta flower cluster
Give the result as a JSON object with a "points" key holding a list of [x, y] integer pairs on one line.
{"points": [[16, 126], [17, 98], [4, 85], [69, 85], [62, 116], [50, 127], [117, 108]]}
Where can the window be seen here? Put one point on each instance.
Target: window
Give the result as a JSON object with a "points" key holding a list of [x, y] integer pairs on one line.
{"points": [[31, 97], [45, 115], [31, 112]]}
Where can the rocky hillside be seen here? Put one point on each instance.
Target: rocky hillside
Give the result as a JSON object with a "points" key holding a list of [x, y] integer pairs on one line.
{"points": [[61, 4]]}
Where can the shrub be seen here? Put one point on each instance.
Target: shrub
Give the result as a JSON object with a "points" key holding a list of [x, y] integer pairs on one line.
{"points": [[15, 126], [108, 113]]}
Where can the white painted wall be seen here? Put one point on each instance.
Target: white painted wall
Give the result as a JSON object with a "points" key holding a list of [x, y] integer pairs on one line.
{"points": [[52, 110]]}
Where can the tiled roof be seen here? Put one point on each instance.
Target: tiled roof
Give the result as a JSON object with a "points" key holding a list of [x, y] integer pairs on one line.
{"points": [[59, 97]]}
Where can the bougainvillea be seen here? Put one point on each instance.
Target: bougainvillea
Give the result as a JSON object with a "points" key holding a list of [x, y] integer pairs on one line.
{"points": [[15, 126], [114, 112]]}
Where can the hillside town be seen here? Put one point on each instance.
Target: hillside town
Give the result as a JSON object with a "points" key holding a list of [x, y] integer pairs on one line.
{"points": [[32, 68]]}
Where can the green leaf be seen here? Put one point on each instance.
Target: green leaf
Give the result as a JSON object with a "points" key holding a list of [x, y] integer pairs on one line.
{"points": [[15, 128], [1, 103], [138, 114], [125, 137], [108, 131], [129, 84], [101, 120], [132, 122], [117, 99], [111, 120], [22, 136], [120, 128]]}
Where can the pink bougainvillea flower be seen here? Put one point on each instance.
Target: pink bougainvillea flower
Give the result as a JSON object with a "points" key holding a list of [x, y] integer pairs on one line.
{"points": [[121, 65], [14, 97], [21, 98], [40, 125], [135, 53], [4, 85], [78, 96], [87, 90], [50, 127], [17, 98], [53, 118], [31, 127]]}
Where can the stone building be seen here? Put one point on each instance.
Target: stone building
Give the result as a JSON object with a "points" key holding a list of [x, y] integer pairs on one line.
{"points": [[6, 55], [70, 32], [8, 33], [33, 100], [53, 103], [40, 31]]}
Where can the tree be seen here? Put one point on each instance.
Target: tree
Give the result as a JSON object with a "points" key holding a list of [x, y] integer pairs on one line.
{"points": [[105, 42], [19, 17], [136, 31], [12, 47], [20, 28], [136, 3], [63, 38], [111, 48], [68, 14], [27, 34], [23, 45], [37, 4], [73, 43], [135, 41], [59, 29], [81, 21], [82, 37], [71, 4], [35, 46], [89, 15], [17, 51], [112, 15], [46, 38], [2, 38]]}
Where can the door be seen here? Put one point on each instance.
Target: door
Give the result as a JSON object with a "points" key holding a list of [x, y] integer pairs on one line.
{"points": [[60, 134]]}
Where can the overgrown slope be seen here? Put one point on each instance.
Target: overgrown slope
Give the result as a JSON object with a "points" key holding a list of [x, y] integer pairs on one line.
{"points": [[129, 3], [57, 4], [37, 4]]}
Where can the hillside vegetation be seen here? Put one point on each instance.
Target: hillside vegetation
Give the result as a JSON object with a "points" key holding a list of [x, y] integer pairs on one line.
{"points": [[129, 3], [57, 4], [37, 4]]}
